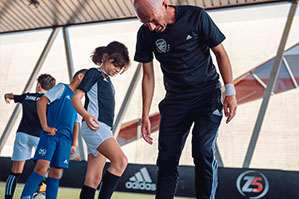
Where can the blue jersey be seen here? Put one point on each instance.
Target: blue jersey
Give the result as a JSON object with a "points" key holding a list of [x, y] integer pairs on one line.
{"points": [[61, 113]]}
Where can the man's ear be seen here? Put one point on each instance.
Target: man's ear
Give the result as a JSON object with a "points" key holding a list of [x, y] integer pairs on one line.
{"points": [[164, 4]]}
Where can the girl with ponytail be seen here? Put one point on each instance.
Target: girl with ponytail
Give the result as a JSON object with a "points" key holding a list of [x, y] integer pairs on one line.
{"points": [[98, 116]]}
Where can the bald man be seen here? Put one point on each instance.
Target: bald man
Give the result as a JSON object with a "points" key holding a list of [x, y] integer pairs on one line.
{"points": [[181, 37]]}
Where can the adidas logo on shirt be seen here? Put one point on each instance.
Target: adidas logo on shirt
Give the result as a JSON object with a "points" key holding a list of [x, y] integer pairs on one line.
{"points": [[141, 181], [65, 162], [188, 37], [216, 112]]}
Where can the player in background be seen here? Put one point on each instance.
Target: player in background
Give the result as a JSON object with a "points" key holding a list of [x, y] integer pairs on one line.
{"points": [[58, 138], [28, 132]]}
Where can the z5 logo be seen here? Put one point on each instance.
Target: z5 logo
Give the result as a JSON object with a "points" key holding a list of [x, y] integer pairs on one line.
{"points": [[252, 184]]}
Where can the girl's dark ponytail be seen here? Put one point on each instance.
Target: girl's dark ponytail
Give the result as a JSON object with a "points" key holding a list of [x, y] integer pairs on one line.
{"points": [[115, 51], [97, 55]]}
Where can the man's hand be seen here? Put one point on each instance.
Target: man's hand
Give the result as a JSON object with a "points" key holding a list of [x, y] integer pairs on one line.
{"points": [[91, 122], [146, 130], [230, 107], [50, 130]]}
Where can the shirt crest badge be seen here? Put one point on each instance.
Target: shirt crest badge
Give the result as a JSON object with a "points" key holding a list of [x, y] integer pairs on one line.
{"points": [[162, 46]]}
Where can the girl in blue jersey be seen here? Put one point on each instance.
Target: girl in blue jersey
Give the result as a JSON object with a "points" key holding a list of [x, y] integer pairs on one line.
{"points": [[98, 115], [58, 139], [28, 131]]}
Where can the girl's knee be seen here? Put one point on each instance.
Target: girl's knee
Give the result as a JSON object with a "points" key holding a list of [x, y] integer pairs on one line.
{"points": [[121, 163], [125, 161]]}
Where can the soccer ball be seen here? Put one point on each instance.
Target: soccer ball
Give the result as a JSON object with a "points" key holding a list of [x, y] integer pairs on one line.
{"points": [[41, 195]]}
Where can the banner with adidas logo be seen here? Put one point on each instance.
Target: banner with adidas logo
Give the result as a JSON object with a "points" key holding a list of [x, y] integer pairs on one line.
{"points": [[141, 180]]}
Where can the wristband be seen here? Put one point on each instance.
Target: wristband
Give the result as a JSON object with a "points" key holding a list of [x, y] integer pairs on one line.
{"points": [[229, 90]]}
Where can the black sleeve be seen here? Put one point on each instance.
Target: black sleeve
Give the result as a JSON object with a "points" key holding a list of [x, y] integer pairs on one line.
{"points": [[19, 98], [90, 78], [208, 30], [143, 52]]}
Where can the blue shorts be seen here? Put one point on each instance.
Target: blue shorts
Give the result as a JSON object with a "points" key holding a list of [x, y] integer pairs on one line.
{"points": [[56, 149]]}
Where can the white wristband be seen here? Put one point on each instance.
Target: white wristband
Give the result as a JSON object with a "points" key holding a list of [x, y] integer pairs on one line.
{"points": [[230, 90]]}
